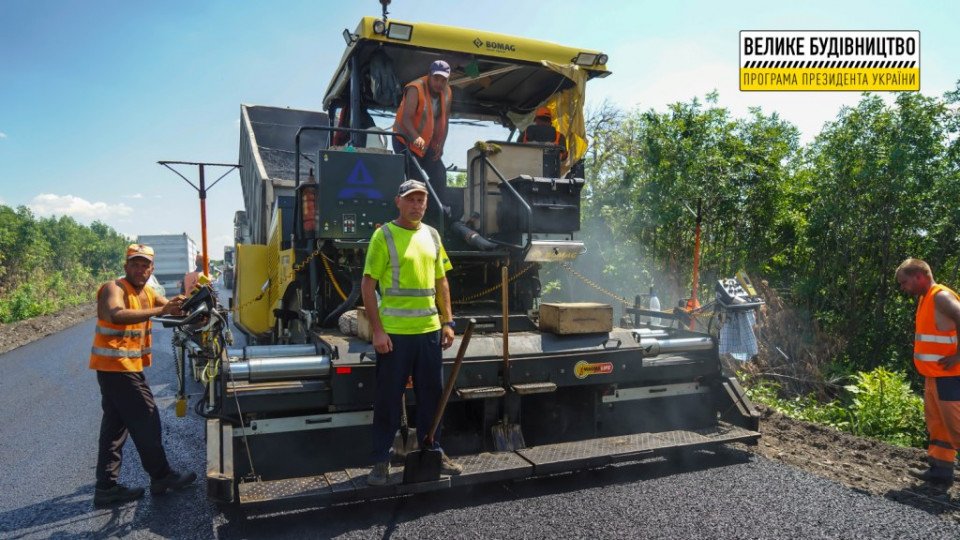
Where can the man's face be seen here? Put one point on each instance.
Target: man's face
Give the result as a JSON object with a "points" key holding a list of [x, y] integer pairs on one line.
{"points": [[413, 206], [138, 271], [914, 285], [436, 83]]}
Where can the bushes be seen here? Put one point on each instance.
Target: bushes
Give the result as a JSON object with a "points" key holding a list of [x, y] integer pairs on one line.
{"points": [[879, 404], [31, 248]]}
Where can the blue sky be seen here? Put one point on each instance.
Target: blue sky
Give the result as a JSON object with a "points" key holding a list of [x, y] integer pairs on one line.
{"points": [[94, 93]]}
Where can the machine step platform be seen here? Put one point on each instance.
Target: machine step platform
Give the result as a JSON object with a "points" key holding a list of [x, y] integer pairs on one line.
{"points": [[351, 484]]}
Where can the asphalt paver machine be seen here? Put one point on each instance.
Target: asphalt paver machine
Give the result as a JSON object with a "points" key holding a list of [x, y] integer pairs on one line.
{"points": [[289, 415]]}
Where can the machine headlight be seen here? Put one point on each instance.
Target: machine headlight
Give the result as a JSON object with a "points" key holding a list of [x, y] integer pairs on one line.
{"points": [[400, 32], [585, 59], [379, 27]]}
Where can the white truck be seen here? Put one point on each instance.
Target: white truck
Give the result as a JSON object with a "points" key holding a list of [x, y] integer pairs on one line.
{"points": [[174, 256]]}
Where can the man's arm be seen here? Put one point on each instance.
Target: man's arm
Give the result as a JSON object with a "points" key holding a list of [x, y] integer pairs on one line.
{"points": [[948, 307], [368, 290], [446, 312], [411, 101], [112, 308]]}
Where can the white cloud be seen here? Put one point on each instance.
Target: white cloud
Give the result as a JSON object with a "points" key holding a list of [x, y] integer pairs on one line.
{"points": [[134, 196], [48, 204], [3, 135]]}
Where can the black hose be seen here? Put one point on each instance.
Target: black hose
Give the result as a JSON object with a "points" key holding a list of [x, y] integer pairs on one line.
{"points": [[347, 304], [472, 237]]}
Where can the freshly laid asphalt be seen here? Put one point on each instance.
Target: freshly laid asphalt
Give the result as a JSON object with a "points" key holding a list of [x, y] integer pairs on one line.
{"points": [[49, 421]]}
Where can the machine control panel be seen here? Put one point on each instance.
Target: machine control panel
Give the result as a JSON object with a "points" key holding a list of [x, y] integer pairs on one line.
{"points": [[737, 293]]}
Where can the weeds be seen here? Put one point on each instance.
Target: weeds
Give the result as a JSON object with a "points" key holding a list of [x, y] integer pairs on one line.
{"points": [[879, 404]]}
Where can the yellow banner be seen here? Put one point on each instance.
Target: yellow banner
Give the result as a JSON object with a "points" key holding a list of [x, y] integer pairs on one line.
{"points": [[827, 79]]}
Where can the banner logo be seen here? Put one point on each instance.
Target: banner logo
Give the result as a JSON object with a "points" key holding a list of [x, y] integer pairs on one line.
{"points": [[852, 61]]}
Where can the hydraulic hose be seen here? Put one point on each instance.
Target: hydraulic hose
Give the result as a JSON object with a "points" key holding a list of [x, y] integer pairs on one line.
{"points": [[472, 237], [347, 304]]}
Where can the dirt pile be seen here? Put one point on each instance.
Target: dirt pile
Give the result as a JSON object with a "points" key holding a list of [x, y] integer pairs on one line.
{"points": [[21, 333]]}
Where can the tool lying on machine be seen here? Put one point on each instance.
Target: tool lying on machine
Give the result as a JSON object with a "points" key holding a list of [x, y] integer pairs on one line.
{"points": [[423, 465]]}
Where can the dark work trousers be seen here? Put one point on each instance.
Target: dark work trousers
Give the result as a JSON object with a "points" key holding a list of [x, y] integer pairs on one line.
{"points": [[421, 356], [434, 168], [128, 409]]}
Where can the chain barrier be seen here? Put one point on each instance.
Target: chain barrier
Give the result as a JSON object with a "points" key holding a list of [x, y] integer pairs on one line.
{"points": [[594, 285], [492, 289], [296, 269]]}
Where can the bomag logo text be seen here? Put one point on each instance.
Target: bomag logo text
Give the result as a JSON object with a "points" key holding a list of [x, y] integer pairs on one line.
{"points": [[495, 45]]}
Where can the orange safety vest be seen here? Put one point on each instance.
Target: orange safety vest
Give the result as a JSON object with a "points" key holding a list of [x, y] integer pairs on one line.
{"points": [[930, 344], [424, 122], [119, 347]]}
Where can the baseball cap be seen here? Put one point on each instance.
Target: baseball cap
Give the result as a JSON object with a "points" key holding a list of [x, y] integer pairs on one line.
{"points": [[544, 112], [411, 186], [439, 67], [139, 250]]}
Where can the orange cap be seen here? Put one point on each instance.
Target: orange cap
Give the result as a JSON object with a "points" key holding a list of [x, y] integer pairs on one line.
{"points": [[544, 112], [139, 250]]}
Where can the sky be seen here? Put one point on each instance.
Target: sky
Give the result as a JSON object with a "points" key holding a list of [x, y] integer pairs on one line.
{"points": [[93, 93]]}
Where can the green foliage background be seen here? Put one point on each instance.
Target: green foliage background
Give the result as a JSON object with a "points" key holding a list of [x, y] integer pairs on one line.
{"points": [[825, 223], [51, 263]]}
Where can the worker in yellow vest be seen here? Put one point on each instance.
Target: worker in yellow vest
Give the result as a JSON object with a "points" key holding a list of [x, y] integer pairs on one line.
{"points": [[935, 357], [407, 260], [422, 122], [121, 349]]}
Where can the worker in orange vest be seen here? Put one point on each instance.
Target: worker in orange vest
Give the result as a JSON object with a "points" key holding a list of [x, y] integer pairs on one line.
{"points": [[935, 357], [422, 122], [542, 131], [121, 349]]}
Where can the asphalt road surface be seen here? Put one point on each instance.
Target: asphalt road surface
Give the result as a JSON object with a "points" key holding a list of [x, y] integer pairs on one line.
{"points": [[49, 421]]}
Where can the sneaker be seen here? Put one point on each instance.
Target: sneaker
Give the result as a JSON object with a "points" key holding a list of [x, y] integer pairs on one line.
{"points": [[379, 474], [449, 466], [935, 475], [173, 480], [117, 493]]}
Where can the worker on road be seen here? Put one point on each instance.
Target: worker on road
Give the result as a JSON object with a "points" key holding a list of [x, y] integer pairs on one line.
{"points": [[407, 260], [422, 122], [121, 349], [542, 131], [190, 279], [935, 356]]}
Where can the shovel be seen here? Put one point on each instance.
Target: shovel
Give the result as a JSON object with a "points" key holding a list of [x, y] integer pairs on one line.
{"points": [[507, 437], [423, 465]]}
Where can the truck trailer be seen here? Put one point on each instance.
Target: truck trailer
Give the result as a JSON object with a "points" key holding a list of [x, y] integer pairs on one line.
{"points": [[174, 256]]}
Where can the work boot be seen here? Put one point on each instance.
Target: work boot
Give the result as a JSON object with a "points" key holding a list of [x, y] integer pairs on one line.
{"points": [[117, 493], [379, 474], [934, 475], [449, 466], [172, 481]]}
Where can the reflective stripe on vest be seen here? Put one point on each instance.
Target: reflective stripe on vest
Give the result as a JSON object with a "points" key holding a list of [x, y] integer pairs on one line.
{"points": [[116, 332], [119, 347], [929, 343], [424, 123], [395, 290]]}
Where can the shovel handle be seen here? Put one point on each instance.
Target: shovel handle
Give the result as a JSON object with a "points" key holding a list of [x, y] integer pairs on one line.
{"points": [[448, 389]]}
